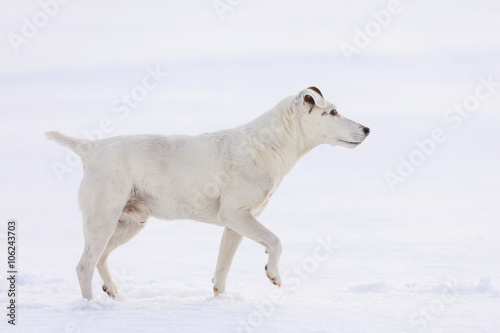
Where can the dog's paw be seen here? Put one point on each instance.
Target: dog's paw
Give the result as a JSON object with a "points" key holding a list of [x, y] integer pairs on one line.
{"points": [[109, 291], [219, 287], [275, 278], [219, 291]]}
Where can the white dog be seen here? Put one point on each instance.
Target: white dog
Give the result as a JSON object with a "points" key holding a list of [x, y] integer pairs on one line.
{"points": [[224, 178]]}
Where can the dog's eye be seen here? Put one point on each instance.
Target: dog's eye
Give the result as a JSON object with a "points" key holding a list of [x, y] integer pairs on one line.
{"points": [[333, 112]]}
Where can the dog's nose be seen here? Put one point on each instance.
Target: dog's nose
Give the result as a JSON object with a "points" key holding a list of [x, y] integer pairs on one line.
{"points": [[366, 130]]}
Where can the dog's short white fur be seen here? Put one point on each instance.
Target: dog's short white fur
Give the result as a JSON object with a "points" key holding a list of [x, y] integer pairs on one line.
{"points": [[224, 178]]}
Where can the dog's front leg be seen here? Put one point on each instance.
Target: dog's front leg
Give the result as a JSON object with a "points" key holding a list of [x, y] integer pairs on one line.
{"points": [[245, 224], [228, 246]]}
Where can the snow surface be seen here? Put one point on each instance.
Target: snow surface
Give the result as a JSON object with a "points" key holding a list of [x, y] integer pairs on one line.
{"points": [[422, 258]]}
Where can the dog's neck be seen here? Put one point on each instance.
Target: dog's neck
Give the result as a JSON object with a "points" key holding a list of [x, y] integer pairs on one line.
{"points": [[278, 135]]}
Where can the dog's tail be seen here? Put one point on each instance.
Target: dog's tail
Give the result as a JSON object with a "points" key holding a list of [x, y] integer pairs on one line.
{"points": [[80, 146]]}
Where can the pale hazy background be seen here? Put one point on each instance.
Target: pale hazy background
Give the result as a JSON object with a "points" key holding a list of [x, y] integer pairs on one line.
{"points": [[398, 248]]}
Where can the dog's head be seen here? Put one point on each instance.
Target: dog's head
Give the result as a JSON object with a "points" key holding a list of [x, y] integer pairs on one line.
{"points": [[322, 122]]}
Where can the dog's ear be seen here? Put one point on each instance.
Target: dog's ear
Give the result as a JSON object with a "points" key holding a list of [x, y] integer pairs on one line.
{"points": [[310, 97]]}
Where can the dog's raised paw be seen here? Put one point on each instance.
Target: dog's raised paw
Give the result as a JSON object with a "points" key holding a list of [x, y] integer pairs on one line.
{"points": [[105, 289], [276, 281]]}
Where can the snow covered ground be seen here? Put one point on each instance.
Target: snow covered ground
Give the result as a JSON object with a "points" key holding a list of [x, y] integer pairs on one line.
{"points": [[399, 235]]}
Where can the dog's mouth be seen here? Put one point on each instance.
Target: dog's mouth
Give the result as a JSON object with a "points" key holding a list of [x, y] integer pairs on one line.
{"points": [[350, 142]]}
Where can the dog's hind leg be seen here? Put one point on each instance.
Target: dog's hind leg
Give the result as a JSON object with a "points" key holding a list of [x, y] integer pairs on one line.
{"points": [[126, 229], [101, 200], [228, 246], [99, 230]]}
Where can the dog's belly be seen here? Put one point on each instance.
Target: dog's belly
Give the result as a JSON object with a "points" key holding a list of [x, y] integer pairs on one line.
{"points": [[171, 206], [191, 208], [177, 194], [176, 198]]}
